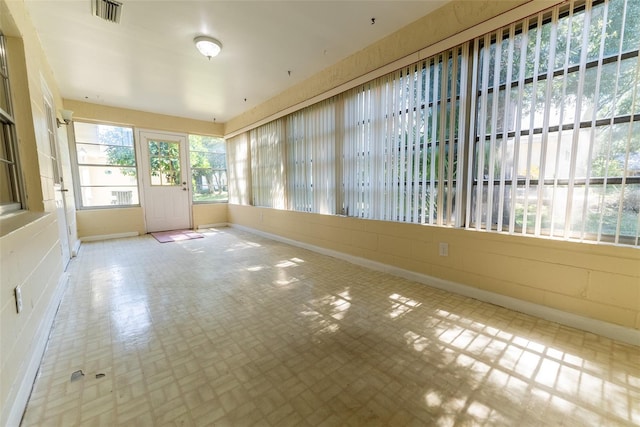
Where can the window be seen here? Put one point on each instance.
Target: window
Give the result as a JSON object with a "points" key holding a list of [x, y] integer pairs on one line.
{"points": [[531, 129], [267, 165], [239, 169], [311, 178], [10, 180], [556, 146], [208, 158], [107, 172], [401, 142], [51, 136]]}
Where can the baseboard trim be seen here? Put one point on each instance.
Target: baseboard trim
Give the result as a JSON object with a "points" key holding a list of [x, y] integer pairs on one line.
{"points": [[37, 349], [599, 327], [217, 225], [109, 236], [76, 248]]}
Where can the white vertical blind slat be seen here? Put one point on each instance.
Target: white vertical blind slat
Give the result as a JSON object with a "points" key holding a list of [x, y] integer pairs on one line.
{"points": [[462, 130], [416, 140], [505, 126], [442, 113], [425, 145], [594, 115], [532, 119], [497, 59], [545, 120], [524, 42], [576, 124], [556, 199], [434, 138], [483, 113]]}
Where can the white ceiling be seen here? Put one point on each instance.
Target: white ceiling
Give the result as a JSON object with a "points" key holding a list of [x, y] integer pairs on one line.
{"points": [[148, 61]]}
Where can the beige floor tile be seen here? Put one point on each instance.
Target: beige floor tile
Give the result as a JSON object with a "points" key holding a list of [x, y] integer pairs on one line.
{"points": [[235, 329]]}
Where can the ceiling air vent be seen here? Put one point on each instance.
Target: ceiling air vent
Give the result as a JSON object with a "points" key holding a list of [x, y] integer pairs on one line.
{"points": [[109, 10]]}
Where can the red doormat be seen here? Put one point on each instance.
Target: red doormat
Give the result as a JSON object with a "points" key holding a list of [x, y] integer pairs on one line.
{"points": [[176, 235]]}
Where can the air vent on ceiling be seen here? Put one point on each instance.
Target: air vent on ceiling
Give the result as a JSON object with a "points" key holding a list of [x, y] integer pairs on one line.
{"points": [[109, 10]]}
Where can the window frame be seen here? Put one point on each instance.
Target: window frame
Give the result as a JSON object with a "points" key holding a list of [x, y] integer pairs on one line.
{"points": [[77, 165], [9, 140], [225, 170], [515, 183]]}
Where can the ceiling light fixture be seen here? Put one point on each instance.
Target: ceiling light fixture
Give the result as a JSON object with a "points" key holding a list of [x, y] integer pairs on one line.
{"points": [[208, 46]]}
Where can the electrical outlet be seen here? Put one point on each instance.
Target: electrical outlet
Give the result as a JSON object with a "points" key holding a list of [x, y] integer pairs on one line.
{"points": [[18, 293], [443, 249]]}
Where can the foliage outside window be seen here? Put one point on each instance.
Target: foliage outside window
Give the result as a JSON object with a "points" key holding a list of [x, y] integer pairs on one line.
{"points": [[10, 185], [557, 144], [107, 170], [208, 159], [164, 162], [531, 129], [401, 143]]}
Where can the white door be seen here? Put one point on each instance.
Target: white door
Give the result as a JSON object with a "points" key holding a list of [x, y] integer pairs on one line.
{"points": [[164, 176], [58, 185]]}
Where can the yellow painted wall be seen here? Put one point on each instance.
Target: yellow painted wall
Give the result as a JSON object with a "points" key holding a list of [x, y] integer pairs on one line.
{"points": [[30, 254], [110, 222], [29, 258], [208, 214], [596, 281], [140, 119], [93, 223]]}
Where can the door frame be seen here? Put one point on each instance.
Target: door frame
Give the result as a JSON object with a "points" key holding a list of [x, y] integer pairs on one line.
{"points": [[59, 187], [139, 138]]}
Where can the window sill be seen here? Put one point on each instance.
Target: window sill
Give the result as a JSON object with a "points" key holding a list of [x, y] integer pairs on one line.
{"points": [[14, 221]]}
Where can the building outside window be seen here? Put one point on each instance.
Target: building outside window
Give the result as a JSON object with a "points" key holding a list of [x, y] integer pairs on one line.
{"points": [[107, 170]]}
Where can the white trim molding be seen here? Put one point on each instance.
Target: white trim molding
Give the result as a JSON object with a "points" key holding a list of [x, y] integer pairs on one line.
{"points": [[109, 236], [217, 225], [36, 352]]}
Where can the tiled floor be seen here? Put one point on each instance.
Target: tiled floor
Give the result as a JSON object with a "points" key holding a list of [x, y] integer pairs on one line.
{"points": [[235, 329]]}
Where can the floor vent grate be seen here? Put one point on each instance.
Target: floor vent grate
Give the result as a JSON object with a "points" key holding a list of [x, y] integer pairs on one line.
{"points": [[109, 10]]}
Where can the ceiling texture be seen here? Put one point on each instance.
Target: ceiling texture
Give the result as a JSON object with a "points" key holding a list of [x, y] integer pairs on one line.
{"points": [[148, 60]]}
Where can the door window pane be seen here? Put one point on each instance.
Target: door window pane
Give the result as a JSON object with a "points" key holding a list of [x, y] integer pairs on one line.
{"points": [[164, 162]]}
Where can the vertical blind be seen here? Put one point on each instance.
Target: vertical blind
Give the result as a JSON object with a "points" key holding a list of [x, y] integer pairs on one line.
{"points": [[267, 165], [311, 155], [556, 143], [238, 163], [401, 153], [531, 129]]}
